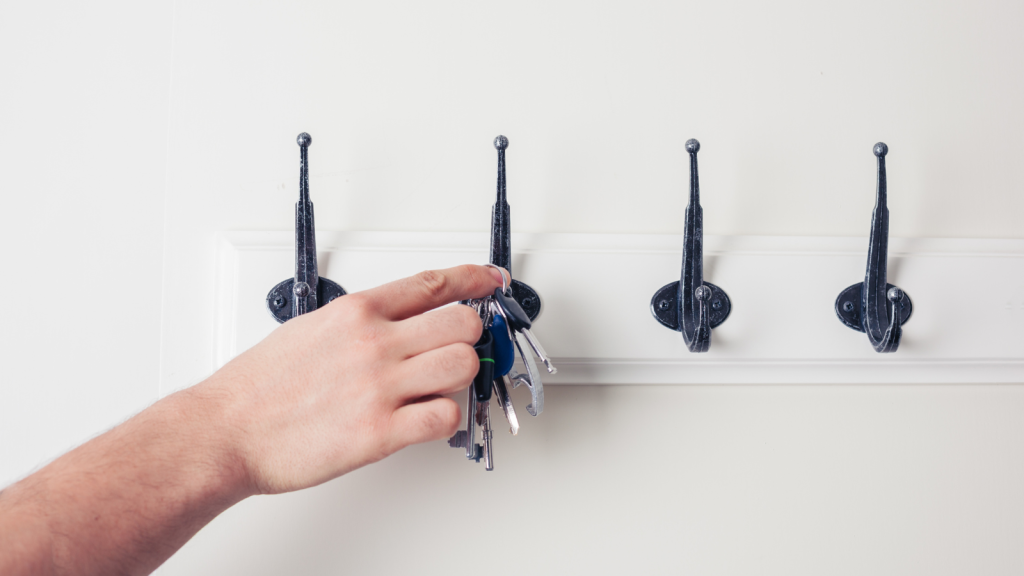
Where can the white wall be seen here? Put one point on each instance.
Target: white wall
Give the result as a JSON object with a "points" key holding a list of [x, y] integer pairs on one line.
{"points": [[102, 105], [83, 141]]}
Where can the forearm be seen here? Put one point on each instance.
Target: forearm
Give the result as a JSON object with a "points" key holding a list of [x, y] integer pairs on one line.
{"points": [[125, 501]]}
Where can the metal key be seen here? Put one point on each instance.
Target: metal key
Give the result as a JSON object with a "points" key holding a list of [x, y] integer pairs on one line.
{"points": [[539, 350], [520, 324], [483, 419], [512, 379], [514, 316], [502, 319], [531, 379], [479, 393], [501, 386], [467, 438]]}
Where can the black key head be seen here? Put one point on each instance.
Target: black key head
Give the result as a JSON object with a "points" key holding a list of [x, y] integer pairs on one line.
{"points": [[482, 383], [518, 319]]}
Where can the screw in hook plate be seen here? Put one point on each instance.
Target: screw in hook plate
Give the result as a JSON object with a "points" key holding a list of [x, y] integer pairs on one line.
{"points": [[279, 302], [664, 304], [848, 306], [716, 304]]}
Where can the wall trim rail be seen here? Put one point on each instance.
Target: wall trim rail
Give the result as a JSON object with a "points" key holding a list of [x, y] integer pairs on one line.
{"points": [[967, 326]]}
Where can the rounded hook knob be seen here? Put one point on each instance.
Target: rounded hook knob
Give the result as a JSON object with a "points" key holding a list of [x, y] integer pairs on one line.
{"points": [[304, 140], [692, 146], [894, 294], [880, 149], [501, 143]]}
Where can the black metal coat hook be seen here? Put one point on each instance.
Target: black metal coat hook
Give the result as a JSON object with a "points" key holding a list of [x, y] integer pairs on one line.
{"points": [[691, 305], [294, 296], [875, 306], [501, 238]]}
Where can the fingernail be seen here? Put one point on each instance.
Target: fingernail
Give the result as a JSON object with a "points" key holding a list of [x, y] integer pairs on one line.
{"points": [[496, 274]]}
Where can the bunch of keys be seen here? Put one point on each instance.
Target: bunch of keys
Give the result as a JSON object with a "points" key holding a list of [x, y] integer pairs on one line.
{"points": [[506, 331]]}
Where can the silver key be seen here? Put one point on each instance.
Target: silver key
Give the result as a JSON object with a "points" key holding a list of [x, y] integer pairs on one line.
{"points": [[501, 386], [467, 438], [539, 350], [505, 383], [479, 412], [521, 327], [483, 419], [531, 379]]}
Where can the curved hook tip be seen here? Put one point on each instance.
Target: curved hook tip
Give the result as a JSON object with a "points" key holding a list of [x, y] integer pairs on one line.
{"points": [[880, 149], [501, 142], [692, 146], [304, 140]]}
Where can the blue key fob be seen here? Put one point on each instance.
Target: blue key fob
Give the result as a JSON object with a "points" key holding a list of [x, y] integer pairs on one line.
{"points": [[504, 352]]}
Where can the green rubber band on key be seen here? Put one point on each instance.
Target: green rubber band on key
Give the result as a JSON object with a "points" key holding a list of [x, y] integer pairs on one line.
{"points": [[491, 360]]}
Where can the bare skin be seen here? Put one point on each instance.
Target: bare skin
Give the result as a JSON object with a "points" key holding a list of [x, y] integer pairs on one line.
{"points": [[324, 394]]}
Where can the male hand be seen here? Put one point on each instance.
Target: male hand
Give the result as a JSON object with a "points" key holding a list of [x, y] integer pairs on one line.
{"points": [[324, 394], [354, 381]]}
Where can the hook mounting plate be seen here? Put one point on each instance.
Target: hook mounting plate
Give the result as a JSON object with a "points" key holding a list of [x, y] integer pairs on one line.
{"points": [[279, 299], [527, 298], [848, 307], [666, 310]]}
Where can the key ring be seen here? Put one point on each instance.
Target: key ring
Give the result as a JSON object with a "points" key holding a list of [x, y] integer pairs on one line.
{"points": [[504, 283]]}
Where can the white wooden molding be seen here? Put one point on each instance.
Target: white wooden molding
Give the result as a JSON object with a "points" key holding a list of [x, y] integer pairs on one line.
{"points": [[967, 327]]}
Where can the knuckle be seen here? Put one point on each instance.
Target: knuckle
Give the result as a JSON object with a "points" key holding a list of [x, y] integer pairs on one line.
{"points": [[468, 323], [440, 421], [376, 341], [463, 361], [356, 307], [479, 276], [359, 321], [450, 415], [435, 284]]}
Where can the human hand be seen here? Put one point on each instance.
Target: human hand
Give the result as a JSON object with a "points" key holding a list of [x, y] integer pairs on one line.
{"points": [[324, 394], [354, 381]]}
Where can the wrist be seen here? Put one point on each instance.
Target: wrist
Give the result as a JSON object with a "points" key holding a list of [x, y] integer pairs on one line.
{"points": [[204, 416]]}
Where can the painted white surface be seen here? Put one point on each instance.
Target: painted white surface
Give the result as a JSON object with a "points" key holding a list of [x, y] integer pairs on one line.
{"points": [[967, 325], [100, 102], [403, 99], [83, 133], [717, 480]]}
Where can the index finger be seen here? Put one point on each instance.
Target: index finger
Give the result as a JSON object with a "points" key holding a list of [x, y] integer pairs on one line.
{"points": [[431, 289]]}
